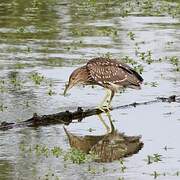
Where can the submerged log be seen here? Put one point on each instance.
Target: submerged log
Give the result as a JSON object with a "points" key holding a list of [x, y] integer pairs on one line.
{"points": [[67, 117]]}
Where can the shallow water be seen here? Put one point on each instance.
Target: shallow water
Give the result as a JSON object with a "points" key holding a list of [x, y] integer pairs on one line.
{"points": [[53, 38]]}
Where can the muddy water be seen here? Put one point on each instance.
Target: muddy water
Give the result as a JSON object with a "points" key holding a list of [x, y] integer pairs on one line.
{"points": [[53, 38]]}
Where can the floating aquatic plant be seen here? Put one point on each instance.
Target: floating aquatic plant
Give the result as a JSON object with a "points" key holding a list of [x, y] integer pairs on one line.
{"points": [[131, 35], [37, 78], [2, 107], [56, 151], [76, 156], [154, 158]]}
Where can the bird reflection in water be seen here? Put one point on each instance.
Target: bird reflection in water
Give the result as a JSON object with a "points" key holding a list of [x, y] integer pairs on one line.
{"points": [[108, 147]]}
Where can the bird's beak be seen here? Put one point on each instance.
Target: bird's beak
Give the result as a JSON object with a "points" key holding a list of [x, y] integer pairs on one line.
{"points": [[68, 87]]}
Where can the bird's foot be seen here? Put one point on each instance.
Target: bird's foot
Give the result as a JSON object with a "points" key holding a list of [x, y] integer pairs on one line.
{"points": [[105, 108]]}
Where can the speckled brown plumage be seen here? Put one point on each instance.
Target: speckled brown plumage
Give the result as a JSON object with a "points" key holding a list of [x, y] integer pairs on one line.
{"points": [[108, 73]]}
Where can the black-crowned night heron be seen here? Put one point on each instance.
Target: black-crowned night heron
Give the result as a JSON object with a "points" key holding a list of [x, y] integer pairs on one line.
{"points": [[108, 73]]}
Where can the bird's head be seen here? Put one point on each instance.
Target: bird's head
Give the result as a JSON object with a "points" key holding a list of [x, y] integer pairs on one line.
{"points": [[75, 78]]}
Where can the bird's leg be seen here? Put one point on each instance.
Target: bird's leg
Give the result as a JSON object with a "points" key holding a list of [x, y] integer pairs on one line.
{"points": [[105, 104], [111, 95], [104, 101], [110, 120], [103, 122]]}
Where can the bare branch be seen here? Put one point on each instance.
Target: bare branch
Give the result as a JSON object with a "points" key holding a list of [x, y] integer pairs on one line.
{"points": [[67, 117]]}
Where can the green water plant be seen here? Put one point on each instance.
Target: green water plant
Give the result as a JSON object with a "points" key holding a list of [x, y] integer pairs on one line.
{"points": [[56, 151], [42, 150], [154, 158], [154, 84], [2, 86], [108, 32], [137, 67], [21, 30], [92, 169], [51, 92], [15, 80], [131, 35], [107, 55], [78, 157], [36, 77], [122, 166], [2, 107], [174, 60], [121, 178], [155, 174], [145, 56]]}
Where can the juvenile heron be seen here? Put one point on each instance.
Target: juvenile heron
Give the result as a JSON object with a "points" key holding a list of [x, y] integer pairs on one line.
{"points": [[108, 73]]}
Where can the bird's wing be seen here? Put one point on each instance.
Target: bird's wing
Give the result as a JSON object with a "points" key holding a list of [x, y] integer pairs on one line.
{"points": [[104, 70]]}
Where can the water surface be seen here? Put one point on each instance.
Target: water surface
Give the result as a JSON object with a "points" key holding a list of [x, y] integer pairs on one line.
{"points": [[53, 38]]}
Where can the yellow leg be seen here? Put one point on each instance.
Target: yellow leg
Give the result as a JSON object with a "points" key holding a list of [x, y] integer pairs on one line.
{"points": [[105, 104], [104, 101], [103, 122], [110, 120]]}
